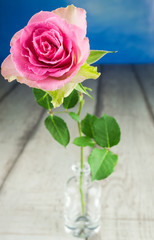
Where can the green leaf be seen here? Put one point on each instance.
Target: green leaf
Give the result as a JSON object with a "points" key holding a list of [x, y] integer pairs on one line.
{"points": [[57, 97], [95, 55], [42, 98], [74, 116], [102, 163], [84, 141], [82, 89], [106, 131], [58, 129], [87, 125], [59, 94], [71, 100], [89, 71]]}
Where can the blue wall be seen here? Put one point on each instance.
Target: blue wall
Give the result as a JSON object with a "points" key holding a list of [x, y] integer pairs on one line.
{"points": [[123, 25]]}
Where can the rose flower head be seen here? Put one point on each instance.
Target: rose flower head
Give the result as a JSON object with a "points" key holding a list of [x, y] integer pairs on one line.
{"points": [[50, 50], [50, 53]]}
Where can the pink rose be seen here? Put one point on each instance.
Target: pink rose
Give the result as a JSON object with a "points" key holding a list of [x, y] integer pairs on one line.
{"points": [[50, 50]]}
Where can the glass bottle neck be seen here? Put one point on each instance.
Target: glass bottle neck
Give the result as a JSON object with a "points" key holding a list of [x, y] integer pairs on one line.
{"points": [[84, 172]]}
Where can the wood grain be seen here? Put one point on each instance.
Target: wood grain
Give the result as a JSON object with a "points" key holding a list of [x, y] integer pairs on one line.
{"points": [[31, 199], [18, 116], [6, 87], [128, 194], [36, 185], [145, 75]]}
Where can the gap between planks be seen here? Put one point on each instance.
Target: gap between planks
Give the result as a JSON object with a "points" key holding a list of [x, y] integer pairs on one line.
{"points": [[40, 168], [8, 92], [128, 193], [144, 93], [118, 217], [6, 88], [17, 127], [99, 96], [28, 137], [99, 106]]}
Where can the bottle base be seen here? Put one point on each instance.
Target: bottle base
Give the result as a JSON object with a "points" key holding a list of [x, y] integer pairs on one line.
{"points": [[82, 228]]}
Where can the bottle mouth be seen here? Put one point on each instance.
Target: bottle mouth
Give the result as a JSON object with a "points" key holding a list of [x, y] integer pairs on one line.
{"points": [[78, 170]]}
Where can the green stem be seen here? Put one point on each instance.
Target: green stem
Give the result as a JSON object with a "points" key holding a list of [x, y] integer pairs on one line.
{"points": [[81, 102]]}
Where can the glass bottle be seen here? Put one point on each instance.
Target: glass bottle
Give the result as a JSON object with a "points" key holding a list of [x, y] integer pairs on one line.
{"points": [[82, 203]]}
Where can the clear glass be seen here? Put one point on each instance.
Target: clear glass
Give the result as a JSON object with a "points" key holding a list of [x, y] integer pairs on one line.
{"points": [[82, 203]]}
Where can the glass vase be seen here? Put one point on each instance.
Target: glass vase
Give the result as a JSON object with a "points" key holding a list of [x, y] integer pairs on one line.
{"points": [[82, 203]]}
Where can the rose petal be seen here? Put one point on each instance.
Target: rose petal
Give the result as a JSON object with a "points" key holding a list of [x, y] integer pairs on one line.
{"points": [[8, 69], [10, 72], [56, 63], [40, 17], [51, 84], [16, 37], [22, 64], [49, 59], [73, 15], [85, 50], [28, 82], [69, 32]]}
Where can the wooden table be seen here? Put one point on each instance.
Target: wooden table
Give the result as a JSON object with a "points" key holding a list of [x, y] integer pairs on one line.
{"points": [[34, 168]]}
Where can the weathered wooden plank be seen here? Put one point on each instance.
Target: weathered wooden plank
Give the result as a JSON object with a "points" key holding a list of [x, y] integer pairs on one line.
{"points": [[36, 190], [19, 115], [6, 87], [123, 229], [145, 75], [45, 229], [36, 185], [128, 194]]}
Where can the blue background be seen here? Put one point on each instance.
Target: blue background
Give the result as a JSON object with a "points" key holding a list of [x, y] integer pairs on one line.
{"points": [[123, 25]]}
